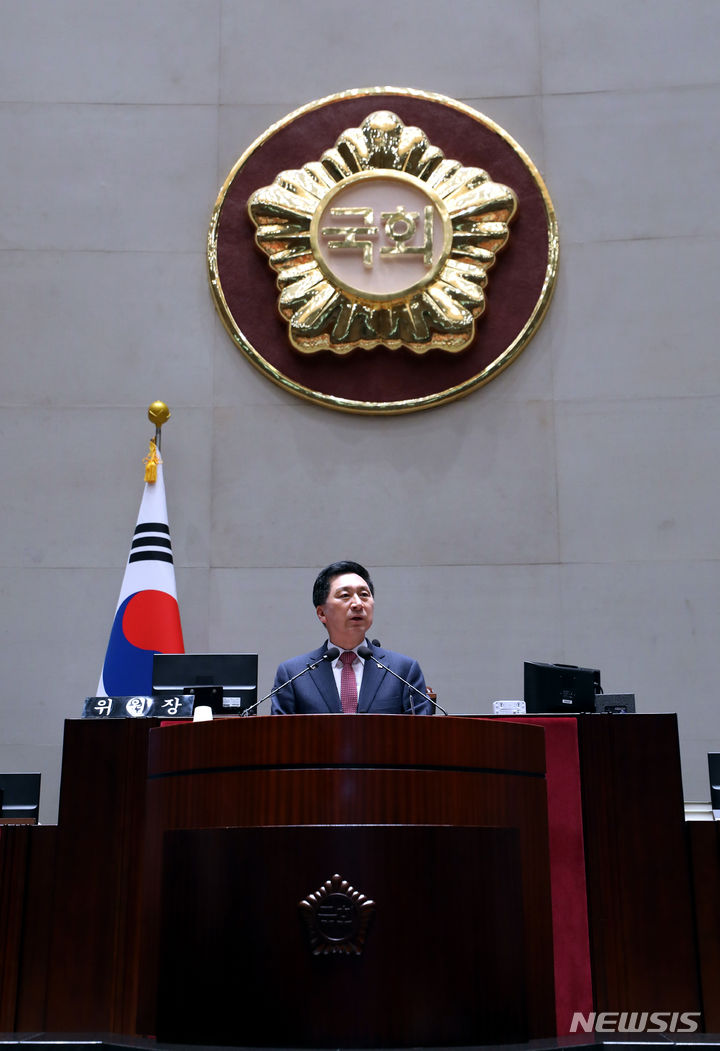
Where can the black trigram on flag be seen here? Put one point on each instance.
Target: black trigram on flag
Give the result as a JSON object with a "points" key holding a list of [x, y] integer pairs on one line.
{"points": [[151, 542]]}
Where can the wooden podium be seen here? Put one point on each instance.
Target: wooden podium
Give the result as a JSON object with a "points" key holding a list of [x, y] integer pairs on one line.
{"points": [[357, 776]]}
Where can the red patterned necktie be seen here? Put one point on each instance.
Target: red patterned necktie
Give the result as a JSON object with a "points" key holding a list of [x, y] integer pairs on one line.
{"points": [[348, 683]]}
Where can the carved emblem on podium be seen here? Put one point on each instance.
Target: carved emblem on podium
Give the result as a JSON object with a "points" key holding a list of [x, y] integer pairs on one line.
{"points": [[337, 918]]}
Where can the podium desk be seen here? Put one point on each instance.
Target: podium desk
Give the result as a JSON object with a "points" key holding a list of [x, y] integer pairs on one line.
{"points": [[625, 934], [328, 770], [80, 904]]}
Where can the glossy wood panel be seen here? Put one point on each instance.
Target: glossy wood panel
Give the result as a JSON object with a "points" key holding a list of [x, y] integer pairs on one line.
{"points": [[642, 937], [704, 842], [95, 933], [442, 962], [335, 740], [14, 847], [27, 871]]}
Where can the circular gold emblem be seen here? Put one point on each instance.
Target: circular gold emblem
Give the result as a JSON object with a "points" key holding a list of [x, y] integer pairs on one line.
{"points": [[381, 240]]}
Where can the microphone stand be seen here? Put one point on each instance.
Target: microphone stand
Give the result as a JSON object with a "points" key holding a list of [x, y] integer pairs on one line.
{"points": [[329, 655], [366, 653]]}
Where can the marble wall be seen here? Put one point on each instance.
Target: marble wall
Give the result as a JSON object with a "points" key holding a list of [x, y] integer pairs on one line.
{"points": [[565, 512]]}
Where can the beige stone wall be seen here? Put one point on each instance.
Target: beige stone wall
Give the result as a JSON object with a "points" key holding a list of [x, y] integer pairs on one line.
{"points": [[568, 511]]}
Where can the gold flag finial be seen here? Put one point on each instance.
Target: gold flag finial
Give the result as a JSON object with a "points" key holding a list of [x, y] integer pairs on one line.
{"points": [[158, 413]]}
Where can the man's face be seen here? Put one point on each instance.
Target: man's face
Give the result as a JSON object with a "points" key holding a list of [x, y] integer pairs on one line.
{"points": [[348, 610]]}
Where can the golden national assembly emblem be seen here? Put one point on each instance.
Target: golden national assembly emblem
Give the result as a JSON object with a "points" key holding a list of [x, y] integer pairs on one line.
{"points": [[383, 251], [382, 241]]}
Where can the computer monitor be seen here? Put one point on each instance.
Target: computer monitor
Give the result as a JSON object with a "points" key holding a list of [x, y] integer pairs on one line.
{"points": [[557, 689], [20, 795], [714, 771], [234, 673]]}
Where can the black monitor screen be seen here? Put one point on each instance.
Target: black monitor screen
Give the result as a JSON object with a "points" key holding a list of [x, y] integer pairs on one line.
{"points": [[560, 688], [20, 795], [714, 770], [236, 673]]}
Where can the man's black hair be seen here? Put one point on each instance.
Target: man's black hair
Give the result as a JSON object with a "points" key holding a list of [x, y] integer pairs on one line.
{"points": [[321, 587]]}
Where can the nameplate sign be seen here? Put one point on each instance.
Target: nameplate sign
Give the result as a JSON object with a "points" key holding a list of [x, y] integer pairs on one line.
{"points": [[177, 707]]}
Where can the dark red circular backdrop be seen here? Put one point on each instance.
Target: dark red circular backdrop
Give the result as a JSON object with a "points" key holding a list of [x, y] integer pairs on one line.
{"points": [[380, 380]]}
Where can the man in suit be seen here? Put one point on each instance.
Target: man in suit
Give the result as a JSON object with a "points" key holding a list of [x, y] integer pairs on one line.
{"points": [[344, 600]]}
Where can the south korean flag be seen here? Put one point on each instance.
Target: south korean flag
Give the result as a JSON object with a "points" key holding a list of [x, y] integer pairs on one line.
{"points": [[147, 619]]}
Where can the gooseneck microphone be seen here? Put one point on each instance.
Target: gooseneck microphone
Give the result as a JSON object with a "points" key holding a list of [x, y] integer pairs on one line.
{"points": [[367, 654], [330, 654]]}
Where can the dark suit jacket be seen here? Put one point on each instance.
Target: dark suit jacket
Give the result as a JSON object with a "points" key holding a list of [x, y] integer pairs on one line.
{"points": [[381, 693]]}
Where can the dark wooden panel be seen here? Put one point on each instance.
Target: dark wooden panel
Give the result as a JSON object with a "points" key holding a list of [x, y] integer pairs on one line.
{"points": [[14, 849], [704, 841], [442, 963], [37, 923], [95, 938], [27, 855], [330, 740], [639, 893]]}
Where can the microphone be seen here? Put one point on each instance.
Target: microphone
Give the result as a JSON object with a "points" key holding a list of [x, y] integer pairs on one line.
{"points": [[331, 654], [367, 654]]}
